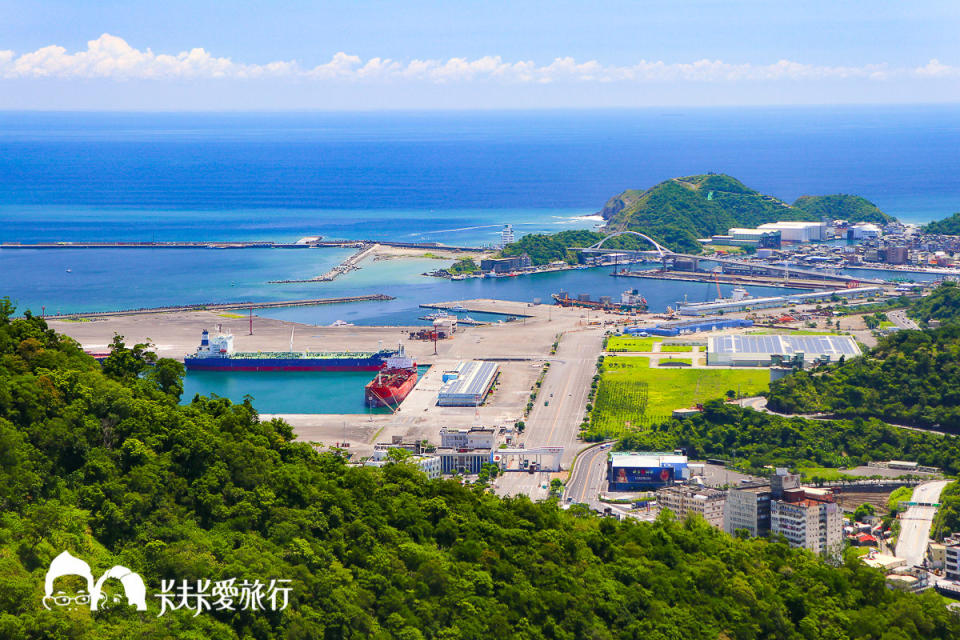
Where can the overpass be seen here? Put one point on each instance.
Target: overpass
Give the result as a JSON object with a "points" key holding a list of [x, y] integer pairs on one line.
{"points": [[669, 259]]}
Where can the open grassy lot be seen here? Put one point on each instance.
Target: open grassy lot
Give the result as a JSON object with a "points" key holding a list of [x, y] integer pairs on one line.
{"points": [[633, 395], [625, 343]]}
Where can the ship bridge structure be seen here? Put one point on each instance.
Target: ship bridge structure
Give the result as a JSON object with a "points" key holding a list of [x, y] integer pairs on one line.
{"points": [[673, 259]]}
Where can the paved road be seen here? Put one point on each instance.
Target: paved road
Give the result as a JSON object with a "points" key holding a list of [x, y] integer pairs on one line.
{"points": [[899, 318], [587, 478], [915, 523], [561, 403]]}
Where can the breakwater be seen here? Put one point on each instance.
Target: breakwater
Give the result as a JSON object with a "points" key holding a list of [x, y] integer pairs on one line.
{"points": [[198, 244], [226, 306]]}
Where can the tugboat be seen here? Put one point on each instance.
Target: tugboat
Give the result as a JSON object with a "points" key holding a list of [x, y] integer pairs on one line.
{"points": [[393, 382]]}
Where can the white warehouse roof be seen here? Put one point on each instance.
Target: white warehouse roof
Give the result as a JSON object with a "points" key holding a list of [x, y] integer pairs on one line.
{"points": [[810, 346]]}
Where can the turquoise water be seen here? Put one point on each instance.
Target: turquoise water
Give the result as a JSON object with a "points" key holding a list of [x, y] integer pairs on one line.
{"points": [[287, 391]]}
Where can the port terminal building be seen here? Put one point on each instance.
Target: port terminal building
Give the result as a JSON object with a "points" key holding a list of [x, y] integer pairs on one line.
{"points": [[468, 384], [644, 471], [761, 351]]}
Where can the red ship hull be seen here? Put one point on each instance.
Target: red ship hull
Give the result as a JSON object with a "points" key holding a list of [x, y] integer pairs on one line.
{"points": [[390, 387]]}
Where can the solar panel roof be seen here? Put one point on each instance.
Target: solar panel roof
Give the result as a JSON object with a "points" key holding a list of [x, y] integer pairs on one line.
{"points": [[786, 345]]}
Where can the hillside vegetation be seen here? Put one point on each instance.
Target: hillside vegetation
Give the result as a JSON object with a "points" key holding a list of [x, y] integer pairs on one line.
{"points": [[942, 304], [948, 226], [679, 211], [103, 462], [842, 207], [910, 377]]}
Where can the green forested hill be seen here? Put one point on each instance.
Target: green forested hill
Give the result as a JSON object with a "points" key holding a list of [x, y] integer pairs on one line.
{"points": [[103, 462], [679, 211], [842, 207], [910, 377], [942, 304], [948, 226]]}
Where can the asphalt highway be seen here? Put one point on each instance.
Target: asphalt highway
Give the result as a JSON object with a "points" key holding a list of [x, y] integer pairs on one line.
{"points": [[916, 521], [560, 407]]}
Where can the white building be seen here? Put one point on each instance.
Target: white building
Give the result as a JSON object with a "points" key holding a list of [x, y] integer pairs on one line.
{"points": [[506, 236], [809, 518], [863, 231], [798, 231], [684, 499], [472, 438]]}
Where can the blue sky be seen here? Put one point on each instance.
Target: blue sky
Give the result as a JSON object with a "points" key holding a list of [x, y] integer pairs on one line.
{"points": [[493, 54]]}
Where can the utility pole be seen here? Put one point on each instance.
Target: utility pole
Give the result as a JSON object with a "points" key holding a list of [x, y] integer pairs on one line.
{"points": [[251, 321]]}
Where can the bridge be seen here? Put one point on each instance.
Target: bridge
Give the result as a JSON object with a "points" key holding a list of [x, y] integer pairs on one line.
{"points": [[669, 258]]}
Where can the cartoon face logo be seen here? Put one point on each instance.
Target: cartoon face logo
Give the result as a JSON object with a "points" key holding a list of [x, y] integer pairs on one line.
{"points": [[62, 589]]}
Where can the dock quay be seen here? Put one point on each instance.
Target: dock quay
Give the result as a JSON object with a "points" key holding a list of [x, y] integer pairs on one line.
{"points": [[225, 306], [723, 278], [349, 264], [476, 306]]}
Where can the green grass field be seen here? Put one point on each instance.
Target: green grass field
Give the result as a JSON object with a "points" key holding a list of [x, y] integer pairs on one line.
{"points": [[676, 348], [827, 474], [624, 343], [633, 395]]}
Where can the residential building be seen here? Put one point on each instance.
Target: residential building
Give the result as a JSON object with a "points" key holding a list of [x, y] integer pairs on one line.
{"points": [[429, 464], [506, 236], [748, 507], [809, 518], [952, 559], [682, 499]]}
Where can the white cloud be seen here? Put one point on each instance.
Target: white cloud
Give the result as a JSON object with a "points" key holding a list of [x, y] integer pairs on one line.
{"points": [[112, 57]]}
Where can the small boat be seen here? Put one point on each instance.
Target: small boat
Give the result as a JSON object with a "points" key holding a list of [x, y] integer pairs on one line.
{"points": [[341, 323], [457, 307], [69, 270]]}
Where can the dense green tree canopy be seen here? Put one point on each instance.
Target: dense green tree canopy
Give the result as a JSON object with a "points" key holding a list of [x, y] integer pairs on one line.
{"points": [[942, 304], [110, 467], [756, 440]]}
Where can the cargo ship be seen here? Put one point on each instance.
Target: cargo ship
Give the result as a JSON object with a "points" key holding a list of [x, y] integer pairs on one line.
{"points": [[630, 302], [217, 354], [393, 382]]}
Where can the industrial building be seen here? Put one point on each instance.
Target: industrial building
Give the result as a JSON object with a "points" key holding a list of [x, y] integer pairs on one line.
{"points": [[685, 499], [748, 304], [472, 438], [863, 231], [468, 384], [429, 464], [505, 265], [760, 351], [680, 327], [736, 237], [642, 471], [798, 231]]}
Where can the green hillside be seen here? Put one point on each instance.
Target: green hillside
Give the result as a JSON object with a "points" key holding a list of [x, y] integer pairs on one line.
{"points": [[948, 226], [679, 211], [842, 207]]}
